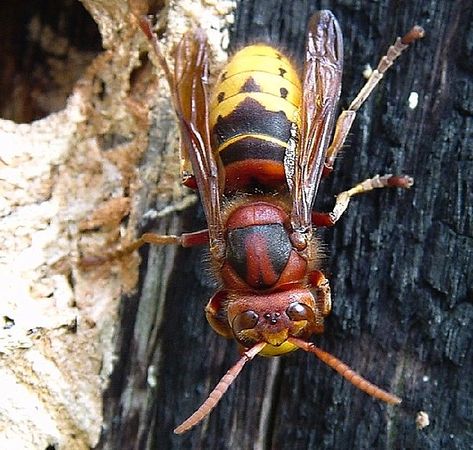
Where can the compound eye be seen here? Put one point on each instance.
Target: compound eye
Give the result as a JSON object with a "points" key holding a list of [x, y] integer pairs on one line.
{"points": [[299, 311], [245, 321]]}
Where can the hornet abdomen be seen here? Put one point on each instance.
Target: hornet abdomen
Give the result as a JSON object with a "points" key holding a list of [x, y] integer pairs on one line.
{"points": [[254, 117]]}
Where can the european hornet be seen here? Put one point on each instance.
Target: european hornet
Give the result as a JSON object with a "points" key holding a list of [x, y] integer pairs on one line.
{"points": [[257, 147]]}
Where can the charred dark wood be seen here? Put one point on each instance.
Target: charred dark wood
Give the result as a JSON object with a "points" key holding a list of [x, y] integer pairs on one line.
{"points": [[400, 265]]}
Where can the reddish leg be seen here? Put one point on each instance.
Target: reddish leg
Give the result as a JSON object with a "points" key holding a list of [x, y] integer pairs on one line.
{"points": [[321, 286], [342, 200], [187, 177], [185, 240], [216, 314]]}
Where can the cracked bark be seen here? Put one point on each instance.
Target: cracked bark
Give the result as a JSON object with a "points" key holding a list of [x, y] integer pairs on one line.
{"points": [[399, 263]]}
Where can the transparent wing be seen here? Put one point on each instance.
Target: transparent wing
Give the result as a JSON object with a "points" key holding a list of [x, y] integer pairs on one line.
{"points": [[189, 88], [321, 91]]}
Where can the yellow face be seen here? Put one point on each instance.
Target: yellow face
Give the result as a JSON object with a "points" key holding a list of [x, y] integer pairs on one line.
{"points": [[271, 350], [273, 319]]}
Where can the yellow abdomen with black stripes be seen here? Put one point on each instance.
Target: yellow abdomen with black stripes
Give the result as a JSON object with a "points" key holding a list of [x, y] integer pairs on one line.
{"points": [[254, 117]]}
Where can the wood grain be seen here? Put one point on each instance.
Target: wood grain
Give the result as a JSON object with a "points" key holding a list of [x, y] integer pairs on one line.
{"points": [[399, 264]]}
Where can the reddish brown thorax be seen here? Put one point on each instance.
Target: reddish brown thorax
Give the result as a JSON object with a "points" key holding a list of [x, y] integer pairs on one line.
{"points": [[259, 252]]}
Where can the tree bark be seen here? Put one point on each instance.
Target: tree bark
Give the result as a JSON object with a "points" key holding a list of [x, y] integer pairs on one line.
{"points": [[399, 262]]}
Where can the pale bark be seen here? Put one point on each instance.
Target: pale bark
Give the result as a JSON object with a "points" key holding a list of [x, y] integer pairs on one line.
{"points": [[67, 182]]}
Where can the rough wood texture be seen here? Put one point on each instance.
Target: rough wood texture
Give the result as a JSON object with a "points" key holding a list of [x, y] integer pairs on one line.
{"points": [[69, 186], [399, 263], [52, 370], [402, 281]]}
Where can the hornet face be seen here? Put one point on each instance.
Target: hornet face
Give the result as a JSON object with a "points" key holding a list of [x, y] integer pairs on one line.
{"points": [[273, 318]]}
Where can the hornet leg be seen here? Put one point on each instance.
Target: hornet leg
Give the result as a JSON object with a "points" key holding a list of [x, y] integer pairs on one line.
{"points": [[346, 118], [343, 199]]}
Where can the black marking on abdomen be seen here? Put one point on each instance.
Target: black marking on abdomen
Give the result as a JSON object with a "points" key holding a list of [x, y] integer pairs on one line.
{"points": [[250, 86], [251, 117], [252, 148]]}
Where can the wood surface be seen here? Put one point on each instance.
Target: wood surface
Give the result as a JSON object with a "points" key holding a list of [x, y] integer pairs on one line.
{"points": [[399, 262], [400, 265]]}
